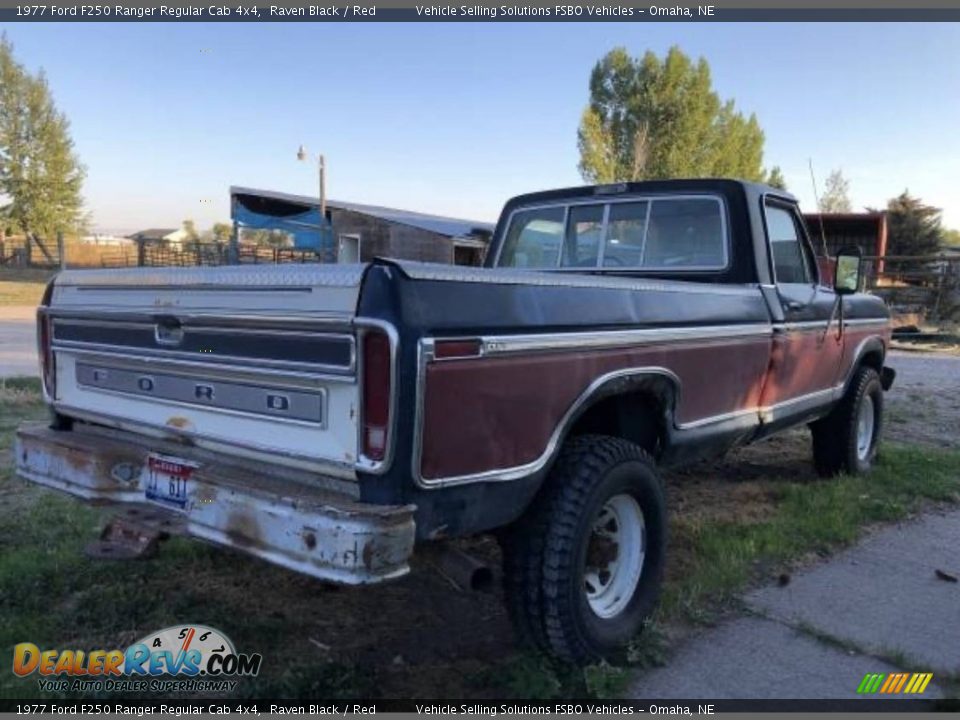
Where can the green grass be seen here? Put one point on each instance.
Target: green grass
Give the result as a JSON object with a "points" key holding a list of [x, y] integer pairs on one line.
{"points": [[20, 293], [28, 387], [23, 286], [52, 595], [815, 517]]}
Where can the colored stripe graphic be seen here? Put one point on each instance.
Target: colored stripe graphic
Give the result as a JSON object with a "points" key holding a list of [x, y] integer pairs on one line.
{"points": [[870, 683], [894, 683], [918, 683]]}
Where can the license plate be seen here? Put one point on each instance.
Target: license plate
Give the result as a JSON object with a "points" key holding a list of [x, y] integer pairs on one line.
{"points": [[168, 479]]}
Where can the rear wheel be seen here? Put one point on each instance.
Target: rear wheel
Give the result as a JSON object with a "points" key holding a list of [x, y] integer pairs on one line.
{"points": [[846, 440], [583, 567]]}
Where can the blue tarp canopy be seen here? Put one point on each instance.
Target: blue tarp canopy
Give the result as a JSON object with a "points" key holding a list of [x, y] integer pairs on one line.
{"points": [[300, 220]]}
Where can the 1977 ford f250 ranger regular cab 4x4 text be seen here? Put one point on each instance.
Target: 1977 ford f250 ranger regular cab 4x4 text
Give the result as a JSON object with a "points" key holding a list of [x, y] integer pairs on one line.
{"points": [[327, 418]]}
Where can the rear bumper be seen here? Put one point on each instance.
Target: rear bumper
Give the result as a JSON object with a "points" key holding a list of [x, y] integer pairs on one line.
{"points": [[294, 523]]}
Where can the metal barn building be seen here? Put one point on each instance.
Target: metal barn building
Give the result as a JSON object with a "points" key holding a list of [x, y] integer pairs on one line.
{"points": [[353, 232]]}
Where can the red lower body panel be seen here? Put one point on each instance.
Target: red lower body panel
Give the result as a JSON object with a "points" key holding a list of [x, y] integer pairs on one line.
{"points": [[520, 400]]}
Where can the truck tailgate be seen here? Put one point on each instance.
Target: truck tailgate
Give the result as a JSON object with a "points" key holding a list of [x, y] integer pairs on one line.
{"points": [[259, 361]]}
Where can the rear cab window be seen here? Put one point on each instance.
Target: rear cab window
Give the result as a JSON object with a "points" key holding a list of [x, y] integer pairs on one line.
{"points": [[662, 233]]}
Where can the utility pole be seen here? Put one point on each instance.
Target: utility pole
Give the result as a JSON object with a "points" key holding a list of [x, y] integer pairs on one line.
{"points": [[323, 187], [302, 155]]}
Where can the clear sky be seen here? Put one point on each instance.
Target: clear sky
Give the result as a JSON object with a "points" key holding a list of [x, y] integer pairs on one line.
{"points": [[455, 118]]}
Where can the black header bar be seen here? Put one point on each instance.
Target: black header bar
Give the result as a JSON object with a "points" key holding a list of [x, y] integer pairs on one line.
{"points": [[481, 11], [449, 708]]}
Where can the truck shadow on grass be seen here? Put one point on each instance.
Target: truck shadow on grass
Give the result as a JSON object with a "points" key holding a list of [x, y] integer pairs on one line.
{"points": [[747, 519]]}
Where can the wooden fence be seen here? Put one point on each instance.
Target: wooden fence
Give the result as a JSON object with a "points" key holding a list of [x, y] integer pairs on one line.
{"points": [[918, 288], [198, 254], [925, 287], [19, 253], [32, 252]]}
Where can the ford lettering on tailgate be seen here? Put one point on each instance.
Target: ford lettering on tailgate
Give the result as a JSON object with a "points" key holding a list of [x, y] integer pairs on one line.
{"points": [[293, 404]]}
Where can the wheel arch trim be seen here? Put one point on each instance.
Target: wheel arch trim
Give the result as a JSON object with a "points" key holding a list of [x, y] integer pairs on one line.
{"points": [[872, 344]]}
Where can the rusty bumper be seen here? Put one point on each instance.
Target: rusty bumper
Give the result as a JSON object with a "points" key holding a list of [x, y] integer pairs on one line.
{"points": [[293, 522]]}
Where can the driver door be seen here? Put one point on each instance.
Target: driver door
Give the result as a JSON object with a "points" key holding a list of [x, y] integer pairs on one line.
{"points": [[806, 352]]}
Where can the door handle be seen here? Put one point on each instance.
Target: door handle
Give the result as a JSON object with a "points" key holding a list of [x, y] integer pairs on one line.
{"points": [[793, 305]]}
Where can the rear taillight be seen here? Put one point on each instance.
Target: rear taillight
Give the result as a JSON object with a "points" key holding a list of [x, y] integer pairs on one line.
{"points": [[377, 379], [48, 370]]}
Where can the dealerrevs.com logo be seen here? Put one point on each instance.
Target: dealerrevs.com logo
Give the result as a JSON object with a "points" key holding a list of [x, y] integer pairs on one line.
{"points": [[182, 657]]}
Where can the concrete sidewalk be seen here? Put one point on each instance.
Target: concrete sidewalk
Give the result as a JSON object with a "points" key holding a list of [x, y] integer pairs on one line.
{"points": [[18, 341], [879, 607]]}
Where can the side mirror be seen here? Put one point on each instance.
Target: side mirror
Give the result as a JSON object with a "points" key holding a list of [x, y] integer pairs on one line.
{"points": [[846, 277]]}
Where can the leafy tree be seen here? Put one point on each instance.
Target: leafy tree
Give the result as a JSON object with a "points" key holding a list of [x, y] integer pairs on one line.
{"points": [[836, 194], [190, 228], [221, 232], [913, 228], [192, 240], [650, 118], [269, 237], [40, 176], [951, 238], [775, 178]]}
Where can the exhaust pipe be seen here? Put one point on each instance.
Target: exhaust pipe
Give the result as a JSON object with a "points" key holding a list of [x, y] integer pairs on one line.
{"points": [[463, 570]]}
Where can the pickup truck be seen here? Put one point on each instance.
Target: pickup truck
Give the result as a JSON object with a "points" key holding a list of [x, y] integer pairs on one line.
{"points": [[331, 418]]}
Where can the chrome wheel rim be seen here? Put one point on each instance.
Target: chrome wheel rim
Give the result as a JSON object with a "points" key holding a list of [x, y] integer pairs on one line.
{"points": [[865, 424], [616, 552]]}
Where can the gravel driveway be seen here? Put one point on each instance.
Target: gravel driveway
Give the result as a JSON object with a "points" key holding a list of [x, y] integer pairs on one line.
{"points": [[923, 406], [18, 341]]}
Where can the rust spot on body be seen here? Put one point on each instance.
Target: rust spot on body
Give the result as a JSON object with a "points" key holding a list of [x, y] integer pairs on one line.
{"points": [[76, 459], [178, 422], [243, 530]]}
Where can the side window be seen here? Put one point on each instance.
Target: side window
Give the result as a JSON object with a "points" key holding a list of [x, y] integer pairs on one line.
{"points": [[534, 239], [791, 261], [584, 228]]}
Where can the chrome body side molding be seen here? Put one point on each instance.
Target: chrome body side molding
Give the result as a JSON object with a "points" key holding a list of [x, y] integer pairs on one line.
{"points": [[745, 418]]}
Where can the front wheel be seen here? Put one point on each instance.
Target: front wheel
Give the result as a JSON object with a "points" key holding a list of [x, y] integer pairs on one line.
{"points": [[846, 440], [583, 567]]}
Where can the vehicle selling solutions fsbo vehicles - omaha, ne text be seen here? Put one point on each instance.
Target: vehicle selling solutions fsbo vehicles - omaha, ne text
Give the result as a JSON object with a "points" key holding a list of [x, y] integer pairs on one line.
{"points": [[329, 418]]}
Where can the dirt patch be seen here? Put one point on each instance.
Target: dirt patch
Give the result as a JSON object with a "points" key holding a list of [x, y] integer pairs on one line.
{"points": [[418, 637], [743, 486]]}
